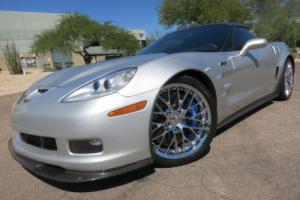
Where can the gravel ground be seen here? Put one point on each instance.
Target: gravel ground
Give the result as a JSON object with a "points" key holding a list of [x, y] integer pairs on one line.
{"points": [[10, 84], [256, 157]]}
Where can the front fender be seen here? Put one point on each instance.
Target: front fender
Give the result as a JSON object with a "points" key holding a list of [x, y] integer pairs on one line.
{"points": [[155, 74]]}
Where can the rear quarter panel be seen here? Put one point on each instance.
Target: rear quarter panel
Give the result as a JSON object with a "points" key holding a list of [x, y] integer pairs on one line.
{"points": [[282, 51]]}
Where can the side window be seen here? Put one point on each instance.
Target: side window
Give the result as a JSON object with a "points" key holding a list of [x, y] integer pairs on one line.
{"points": [[240, 36]]}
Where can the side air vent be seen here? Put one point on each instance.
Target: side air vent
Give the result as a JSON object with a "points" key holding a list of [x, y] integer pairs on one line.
{"points": [[276, 73]]}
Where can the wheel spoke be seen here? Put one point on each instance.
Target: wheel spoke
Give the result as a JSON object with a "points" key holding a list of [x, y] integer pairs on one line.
{"points": [[197, 128], [192, 99], [170, 145], [163, 137], [158, 127], [159, 108], [184, 98], [176, 142], [178, 97], [197, 104], [203, 121], [169, 96], [166, 103], [156, 123], [195, 134], [163, 134], [184, 138]]}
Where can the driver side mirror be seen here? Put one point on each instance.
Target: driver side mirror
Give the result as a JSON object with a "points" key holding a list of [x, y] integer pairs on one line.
{"points": [[253, 44]]}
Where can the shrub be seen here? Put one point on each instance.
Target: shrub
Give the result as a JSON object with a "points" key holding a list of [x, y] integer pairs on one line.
{"points": [[49, 69], [12, 58]]}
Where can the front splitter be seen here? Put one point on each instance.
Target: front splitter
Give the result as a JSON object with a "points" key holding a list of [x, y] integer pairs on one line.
{"points": [[59, 174]]}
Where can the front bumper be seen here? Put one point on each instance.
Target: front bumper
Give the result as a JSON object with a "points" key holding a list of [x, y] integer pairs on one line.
{"points": [[125, 138], [68, 176]]}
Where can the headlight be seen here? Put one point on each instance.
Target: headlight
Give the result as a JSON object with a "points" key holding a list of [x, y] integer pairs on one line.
{"points": [[22, 97], [102, 86], [26, 95]]}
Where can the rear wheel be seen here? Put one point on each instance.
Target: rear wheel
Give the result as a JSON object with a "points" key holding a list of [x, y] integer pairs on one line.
{"points": [[183, 122], [287, 81]]}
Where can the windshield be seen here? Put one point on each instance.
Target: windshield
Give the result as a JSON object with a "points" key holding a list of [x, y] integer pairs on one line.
{"points": [[208, 38]]}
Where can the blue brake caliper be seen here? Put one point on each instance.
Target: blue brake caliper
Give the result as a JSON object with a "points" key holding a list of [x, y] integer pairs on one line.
{"points": [[192, 112]]}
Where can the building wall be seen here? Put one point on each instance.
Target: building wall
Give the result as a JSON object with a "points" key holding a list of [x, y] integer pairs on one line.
{"points": [[21, 27], [77, 59]]}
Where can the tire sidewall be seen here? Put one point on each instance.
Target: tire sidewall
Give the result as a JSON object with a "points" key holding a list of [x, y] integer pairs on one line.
{"points": [[282, 95]]}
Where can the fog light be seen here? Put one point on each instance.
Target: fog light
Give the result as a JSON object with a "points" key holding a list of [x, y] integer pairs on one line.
{"points": [[86, 146], [95, 142]]}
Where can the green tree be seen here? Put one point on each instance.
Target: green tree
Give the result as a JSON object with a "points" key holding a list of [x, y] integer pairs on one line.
{"points": [[119, 39], [276, 20], [76, 32], [182, 13], [12, 58], [69, 34]]}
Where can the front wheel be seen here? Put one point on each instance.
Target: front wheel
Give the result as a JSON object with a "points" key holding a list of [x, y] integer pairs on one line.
{"points": [[183, 122]]}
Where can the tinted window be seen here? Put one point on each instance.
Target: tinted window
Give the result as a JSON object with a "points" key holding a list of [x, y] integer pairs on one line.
{"points": [[239, 38], [208, 38]]}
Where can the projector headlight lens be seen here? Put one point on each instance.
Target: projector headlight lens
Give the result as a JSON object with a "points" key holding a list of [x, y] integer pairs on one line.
{"points": [[102, 86]]}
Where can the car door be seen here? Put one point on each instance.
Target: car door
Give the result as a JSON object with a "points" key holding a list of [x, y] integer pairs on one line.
{"points": [[267, 64], [242, 75]]}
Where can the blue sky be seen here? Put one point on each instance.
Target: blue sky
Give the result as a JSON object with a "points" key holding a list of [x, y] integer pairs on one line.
{"points": [[131, 14]]}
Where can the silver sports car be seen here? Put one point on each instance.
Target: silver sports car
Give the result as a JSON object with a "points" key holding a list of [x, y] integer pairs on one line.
{"points": [[160, 106]]}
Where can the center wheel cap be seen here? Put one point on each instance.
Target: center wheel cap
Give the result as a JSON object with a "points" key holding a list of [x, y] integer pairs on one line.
{"points": [[174, 121]]}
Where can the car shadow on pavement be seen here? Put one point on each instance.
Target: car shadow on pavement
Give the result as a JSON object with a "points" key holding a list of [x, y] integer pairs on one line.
{"points": [[137, 175]]}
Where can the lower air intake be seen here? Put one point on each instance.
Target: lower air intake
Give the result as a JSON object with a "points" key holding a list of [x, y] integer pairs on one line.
{"points": [[38, 141]]}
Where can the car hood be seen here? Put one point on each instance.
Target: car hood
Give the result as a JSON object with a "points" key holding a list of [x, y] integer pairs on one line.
{"points": [[76, 76]]}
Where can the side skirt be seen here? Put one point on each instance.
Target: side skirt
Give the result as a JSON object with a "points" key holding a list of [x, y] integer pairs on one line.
{"points": [[247, 109]]}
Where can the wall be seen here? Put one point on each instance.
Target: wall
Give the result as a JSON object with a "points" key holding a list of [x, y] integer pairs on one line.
{"points": [[21, 27], [77, 59]]}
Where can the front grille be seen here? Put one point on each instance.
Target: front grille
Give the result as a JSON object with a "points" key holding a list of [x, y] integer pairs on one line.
{"points": [[38, 141]]}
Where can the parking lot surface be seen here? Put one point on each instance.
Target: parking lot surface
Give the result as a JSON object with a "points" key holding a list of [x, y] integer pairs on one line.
{"points": [[256, 157]]}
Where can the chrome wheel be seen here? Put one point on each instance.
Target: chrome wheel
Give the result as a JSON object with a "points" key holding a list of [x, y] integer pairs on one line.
{"points": [[181, 121], [288, 79]]}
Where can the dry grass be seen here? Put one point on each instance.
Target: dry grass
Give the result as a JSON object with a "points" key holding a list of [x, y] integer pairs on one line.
{"points": [[10, 84]]}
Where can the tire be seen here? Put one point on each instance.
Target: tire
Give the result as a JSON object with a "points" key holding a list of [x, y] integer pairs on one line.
{"points": [[287, 81], [180, 129]]}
